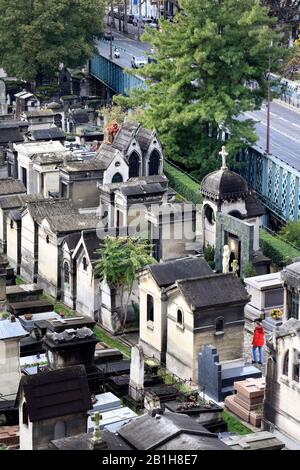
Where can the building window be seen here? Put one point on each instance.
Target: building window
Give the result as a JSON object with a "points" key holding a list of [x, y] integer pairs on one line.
{"points": [[179, 317], [154, 163], [64, 190], [134, 165], [66, 273], [150, 308], [24, 176], [220, 325], [84, 263], [47, 239], [296, 366], [209, 214], [25, 414], [286, 359], [117, 178], [11, 224]]}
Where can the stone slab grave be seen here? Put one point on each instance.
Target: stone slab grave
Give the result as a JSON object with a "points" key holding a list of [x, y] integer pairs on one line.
{"points": [[31, 306], [111, 369], [105, 402], [112, 420], [104, 354], [247, 400], [120, 383], [37, 317], [261, 440], [23, 293], [218, 378]]}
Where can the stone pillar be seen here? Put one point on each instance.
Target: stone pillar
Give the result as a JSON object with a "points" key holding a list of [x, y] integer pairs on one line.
{"points": [[136, 383], [110, 311]]}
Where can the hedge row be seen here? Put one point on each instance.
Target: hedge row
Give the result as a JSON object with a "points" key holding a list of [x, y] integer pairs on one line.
{"points": [[280, 252], [183, 184]]}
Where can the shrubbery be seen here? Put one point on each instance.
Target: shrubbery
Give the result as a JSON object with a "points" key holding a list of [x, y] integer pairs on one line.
{"points": [[183, 184], [280, 252]]}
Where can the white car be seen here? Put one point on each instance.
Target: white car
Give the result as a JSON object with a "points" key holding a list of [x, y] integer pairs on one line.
{"points": [[138, 62]]}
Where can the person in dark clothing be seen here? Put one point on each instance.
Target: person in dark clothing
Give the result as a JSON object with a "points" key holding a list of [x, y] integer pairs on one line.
{"points": [[258, 342]]}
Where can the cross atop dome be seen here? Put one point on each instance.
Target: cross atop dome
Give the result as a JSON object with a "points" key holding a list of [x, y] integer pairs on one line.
{"points": [[224, 154]]}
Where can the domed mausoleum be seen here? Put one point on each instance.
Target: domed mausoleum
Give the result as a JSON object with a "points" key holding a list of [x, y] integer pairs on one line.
{"points": [[227, 192]]}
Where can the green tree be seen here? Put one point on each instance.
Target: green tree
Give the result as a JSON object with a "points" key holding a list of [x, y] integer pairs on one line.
{"points": [[36, 36], [291, 233], [119, 260], [199, 84]]}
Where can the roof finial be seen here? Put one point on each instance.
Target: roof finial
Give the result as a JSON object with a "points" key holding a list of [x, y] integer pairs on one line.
{"points": [[224, 154]]}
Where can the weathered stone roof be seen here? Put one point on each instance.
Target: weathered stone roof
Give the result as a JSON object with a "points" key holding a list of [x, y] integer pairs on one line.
{"points": [[165, 274], [254, 207], [47, 134], [290, 327], [19, 200], [141, 189], [11, 186], [56, 393], [10, 330], [85, 165], [216, 289], [50, 207], [71, 222], [224, 185], [144, 137]]}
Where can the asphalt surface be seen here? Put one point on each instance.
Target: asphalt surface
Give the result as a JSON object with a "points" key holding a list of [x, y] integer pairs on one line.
{"points": [[129, 48], [284, 122], [284, 132]]}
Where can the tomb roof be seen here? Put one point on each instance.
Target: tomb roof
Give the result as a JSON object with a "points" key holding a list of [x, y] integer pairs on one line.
{"points": [[168, 272], [124, 137], [84, 165], [56, 393], [290, 327], [72, 222], [254, 207], [10, 134], [138, 189], [47, 134], [11, 186], [169, 431], [92, 243], [33, 148], [216, 289], [144, 137], [19, 200], [72, 240], [105, 154], [50, 207], [10, 330], [224, 184]]}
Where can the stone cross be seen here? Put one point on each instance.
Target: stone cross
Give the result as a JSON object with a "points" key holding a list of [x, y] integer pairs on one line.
{"points": [[224, 154], [96, 418]]}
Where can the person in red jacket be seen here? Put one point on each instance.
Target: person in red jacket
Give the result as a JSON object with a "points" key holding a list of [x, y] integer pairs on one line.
{"points": [[258, 342]]}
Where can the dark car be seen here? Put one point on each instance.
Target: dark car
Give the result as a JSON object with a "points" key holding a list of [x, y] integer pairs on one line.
{"points": [[108, 36]]}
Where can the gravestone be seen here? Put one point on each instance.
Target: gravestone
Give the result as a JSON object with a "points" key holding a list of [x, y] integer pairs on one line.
{"points": [[136, 383]]}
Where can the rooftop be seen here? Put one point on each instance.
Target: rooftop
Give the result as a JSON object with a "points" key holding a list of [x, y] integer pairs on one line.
{"points": [[168, 272], [72, 222], [32, 148], [56, 393], [10, 330], [11, 186], [213, 290], [50, 207]]}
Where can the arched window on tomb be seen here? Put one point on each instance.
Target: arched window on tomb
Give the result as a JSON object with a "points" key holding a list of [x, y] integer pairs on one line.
{"points": [[25, 414], [220, 325], [66, 273], [150, 308], [296, 367], [154, 163], [59, 430], [285, 369], [84, 263], [134, 165], [117, 178], [179, 317]]}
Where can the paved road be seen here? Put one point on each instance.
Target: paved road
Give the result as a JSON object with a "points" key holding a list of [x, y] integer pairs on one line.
{"points": [[128, 48], [284, 132]]}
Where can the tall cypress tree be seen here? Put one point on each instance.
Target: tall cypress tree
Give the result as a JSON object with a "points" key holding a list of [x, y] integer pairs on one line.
{"points": [[201, 81]]}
